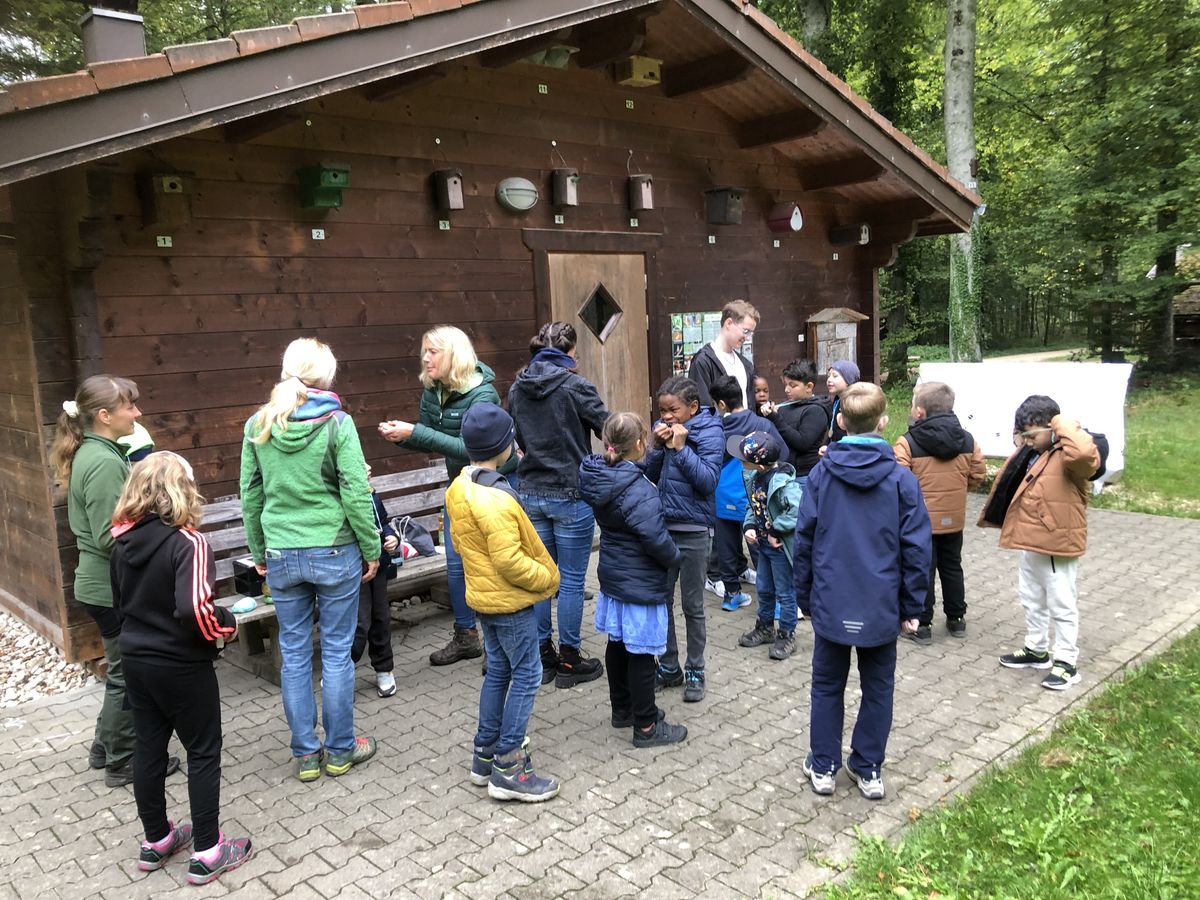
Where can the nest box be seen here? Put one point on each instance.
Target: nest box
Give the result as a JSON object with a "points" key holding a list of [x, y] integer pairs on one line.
{"points": [[564, 188], [843, 235], [785, 217], [723, 206], [448, 189], [321, 185], [833, 335], [638, 71], [166, 198], [641, 193]]}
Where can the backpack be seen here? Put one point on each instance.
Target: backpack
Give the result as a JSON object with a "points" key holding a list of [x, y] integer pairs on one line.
{"points": [[1101, 442]]}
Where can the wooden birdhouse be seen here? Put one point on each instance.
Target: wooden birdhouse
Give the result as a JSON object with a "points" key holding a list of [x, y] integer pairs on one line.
{"points": [[448, 189], [564, 188], [641, 193], [833, 335], [166, 198], [723, 206], [321, 186]]}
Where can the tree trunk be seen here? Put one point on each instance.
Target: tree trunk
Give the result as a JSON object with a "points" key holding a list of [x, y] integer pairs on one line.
{"points": [[960, 156], [814, 14]]}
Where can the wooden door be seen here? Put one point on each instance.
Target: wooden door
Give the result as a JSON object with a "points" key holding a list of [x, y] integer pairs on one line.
{"points": [[603, 295]]}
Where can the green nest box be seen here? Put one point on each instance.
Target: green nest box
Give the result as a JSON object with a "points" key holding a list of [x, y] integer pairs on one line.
{"points": [[321, 186]]}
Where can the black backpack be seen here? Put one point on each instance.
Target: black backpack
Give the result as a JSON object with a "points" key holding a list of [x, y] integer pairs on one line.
{"points": [[1101, 442]]}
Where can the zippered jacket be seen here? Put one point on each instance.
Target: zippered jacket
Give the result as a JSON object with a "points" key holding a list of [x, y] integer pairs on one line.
{"points": [[687, 478], [98, 474], [947, 462]]}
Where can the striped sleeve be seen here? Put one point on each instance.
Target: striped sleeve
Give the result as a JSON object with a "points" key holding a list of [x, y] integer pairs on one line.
{"points": [[195, 575]]}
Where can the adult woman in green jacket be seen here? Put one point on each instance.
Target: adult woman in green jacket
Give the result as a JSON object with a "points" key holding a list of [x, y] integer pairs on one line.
{"points": [[88, 459], [454, 381]]}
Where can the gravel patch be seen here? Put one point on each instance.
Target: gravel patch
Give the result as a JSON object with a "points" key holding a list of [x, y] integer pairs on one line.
{"points": [[32, 667]]}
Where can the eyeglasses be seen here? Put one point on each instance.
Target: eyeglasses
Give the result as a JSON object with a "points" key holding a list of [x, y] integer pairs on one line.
{"points": [[746, 332], [1032, 432]]}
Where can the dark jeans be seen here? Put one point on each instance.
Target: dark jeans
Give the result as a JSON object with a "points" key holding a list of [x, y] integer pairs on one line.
{"points": [[185, 699], [114, 725], [630, 684], [947, 562], [374, 624], [513, 677], [731, 561], [877, 675], [693, 547]]}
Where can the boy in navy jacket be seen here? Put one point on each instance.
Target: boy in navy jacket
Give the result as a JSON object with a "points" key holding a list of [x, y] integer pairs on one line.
{"points": [[862, 578]]}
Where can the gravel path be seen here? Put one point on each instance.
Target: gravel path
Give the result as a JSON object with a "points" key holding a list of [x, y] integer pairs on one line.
{"points": [[32, 667]]}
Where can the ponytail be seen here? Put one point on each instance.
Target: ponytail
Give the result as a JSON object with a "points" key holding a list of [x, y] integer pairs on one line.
{"points": [[306, 363], [622, 431], [79, 415], [286, 397]]}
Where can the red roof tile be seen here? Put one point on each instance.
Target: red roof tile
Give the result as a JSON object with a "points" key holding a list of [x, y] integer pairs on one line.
{"points": [[192, 56], [54, 89], [370, 15], [429, 7], [6, 103], [256, 40], [114, 73], [313, 27]]}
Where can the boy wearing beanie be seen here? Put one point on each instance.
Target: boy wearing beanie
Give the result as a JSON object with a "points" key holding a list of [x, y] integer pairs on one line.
{"points": [[508, 570]]}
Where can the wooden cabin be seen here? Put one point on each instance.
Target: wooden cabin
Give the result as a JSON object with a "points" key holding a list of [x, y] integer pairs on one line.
{"points": [[177, 218]]}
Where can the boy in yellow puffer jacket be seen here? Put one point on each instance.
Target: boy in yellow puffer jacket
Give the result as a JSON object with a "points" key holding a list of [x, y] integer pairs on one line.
{"points": [[508, 570]]}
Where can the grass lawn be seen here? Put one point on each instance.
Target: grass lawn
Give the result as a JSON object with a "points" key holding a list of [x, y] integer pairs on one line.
{"points": [[1106, 807]]}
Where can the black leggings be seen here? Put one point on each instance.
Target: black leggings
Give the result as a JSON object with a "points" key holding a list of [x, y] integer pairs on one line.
{"points": [[183, 698], [374, 627], [631, 684]]}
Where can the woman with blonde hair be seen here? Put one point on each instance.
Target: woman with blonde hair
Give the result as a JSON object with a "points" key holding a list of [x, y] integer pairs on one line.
{"points": [[310, 526], [454, 381], [91, 464]]}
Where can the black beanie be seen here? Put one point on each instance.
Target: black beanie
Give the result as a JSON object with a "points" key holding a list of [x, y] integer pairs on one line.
{"points": [[486, 431]]}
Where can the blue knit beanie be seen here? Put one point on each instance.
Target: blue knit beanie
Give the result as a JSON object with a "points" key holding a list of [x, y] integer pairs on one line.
{"points": [[486, 431], [847, 369]]}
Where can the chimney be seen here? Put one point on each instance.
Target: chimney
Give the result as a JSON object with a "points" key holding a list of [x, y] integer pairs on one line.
{"points": [[109, 34]]}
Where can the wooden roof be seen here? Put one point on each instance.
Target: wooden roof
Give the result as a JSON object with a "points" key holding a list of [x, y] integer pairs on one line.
{"points": [[774, 93]]}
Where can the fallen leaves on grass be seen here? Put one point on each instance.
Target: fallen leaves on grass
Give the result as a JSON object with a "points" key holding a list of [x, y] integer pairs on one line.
{"points": [[1057, 758]]}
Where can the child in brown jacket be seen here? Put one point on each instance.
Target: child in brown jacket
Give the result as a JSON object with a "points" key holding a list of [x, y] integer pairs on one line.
{"points": [[1046, 519], [947, 462]]}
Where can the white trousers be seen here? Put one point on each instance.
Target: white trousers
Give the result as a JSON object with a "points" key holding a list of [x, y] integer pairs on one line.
{"points": [[1046, 586]]}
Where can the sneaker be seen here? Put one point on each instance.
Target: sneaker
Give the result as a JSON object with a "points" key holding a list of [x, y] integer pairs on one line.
{"points": [[1026, 659], [1062, 676], [869, 785], [714, 587], [513, 778], [464, 645], [750, 576], [784, 646], [575, 668], [385, 684], [668, 678], [153, 857], [624, 719], [957, 627], [761, 633], [119, 776], [97, 758], [736, 601], [661, 734], [483, 759], [340, 763], [822, 782], [549, 661], [693, 689], [923, 635], [230, 854], [308, 767]]}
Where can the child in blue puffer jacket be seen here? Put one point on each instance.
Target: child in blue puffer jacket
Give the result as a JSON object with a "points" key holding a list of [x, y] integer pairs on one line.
{"points": [[685, 463], [636, 555]]}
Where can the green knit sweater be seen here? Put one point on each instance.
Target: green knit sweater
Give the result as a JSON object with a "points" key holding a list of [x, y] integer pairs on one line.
{"points": [[98, 473]]}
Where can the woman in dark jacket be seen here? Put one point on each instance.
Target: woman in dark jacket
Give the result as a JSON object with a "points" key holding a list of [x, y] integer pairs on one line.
{"points": [[556, 411], [685, 463], [636, 554]]}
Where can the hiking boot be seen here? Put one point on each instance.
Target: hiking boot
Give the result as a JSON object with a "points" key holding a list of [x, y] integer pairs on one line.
{"points": [[624, 719], [923, 635], [153, 857], [750, 576], [1062, 676], [667, 678], [575, 668], [308, 767], [340, 763], [214, 862], [714, 587], [784, 646], [385, 684], [957, 627], [549, 661], [736, 601], [822, 783], [659, 735], [119, 776], [464, 645], [97, 758], [693, 688], [513, 778], [1026, 659], [870, 785], [761, 633]]}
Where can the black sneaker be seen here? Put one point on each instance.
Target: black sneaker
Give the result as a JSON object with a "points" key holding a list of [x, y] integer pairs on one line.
{"points": [[233, 853], [549, 661], [784, 646], [1062, 676], [660, 735], [151, 859], [97, 758], [624, 719], [119, 776], [957, 627], [761, 633], [923, 635], [668, 678], [1026, 659], [693, 688], [575, 668]]}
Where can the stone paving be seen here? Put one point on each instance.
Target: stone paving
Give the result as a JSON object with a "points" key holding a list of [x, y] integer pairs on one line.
{"points": [[727, 814]]}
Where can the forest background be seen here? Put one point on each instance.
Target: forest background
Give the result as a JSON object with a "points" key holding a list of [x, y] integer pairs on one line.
{"points": [[1087, 127]]}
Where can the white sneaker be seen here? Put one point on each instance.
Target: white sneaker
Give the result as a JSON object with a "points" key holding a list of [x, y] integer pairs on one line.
{"points": [[869, 785], [714, 587], [750, 576], [822, 782], [385, 684]]}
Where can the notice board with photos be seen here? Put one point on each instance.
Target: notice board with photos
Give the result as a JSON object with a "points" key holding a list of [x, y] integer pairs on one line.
{"points": [[692, 330]]}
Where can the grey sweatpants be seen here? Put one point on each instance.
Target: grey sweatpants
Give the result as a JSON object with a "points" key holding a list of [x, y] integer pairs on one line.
{"points": [[693, 547]]}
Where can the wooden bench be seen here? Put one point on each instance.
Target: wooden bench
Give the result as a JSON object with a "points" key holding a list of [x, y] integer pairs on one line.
{"points": [[418, 493]]}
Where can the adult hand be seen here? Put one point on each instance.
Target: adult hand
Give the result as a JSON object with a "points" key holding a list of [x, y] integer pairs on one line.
{"points": [[662, 433], [773, 541], [390, 544], [396, 431], [751, 536], [372, 568], [909, 626], [261, 569], [678, 437]]}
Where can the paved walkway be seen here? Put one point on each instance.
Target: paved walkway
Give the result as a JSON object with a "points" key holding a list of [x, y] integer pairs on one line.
{"points": [[728, 814]]}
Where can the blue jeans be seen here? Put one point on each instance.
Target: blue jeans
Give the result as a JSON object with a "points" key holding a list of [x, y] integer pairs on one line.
{"points": [[773, 583], [566, 528], [513, 677], [327, 578], [464, 616]]}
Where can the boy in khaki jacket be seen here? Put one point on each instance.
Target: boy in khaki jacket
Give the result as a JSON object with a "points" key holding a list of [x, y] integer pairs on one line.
{"points": [[947, 462], [1046, 519]]}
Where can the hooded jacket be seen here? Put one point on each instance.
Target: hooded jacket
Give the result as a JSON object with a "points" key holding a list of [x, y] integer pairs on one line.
{"points": [[556, 411], [731, 486], [635, 550], [863, 544], [783, 503], [439, 423], [162, 584], [307, 485], [98, 474], [947, 462], [687, 478], [707, 368], [804, 425]]}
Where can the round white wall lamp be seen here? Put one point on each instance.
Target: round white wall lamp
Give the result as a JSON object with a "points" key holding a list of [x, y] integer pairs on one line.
{"points": [[517, 194]]}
